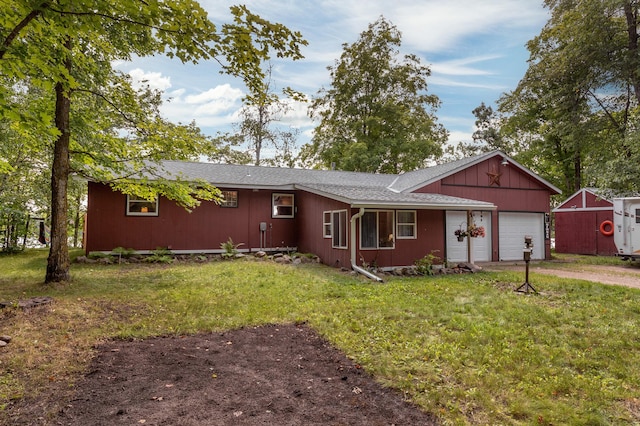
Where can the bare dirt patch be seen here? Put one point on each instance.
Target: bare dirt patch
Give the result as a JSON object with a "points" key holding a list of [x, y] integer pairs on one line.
{"points": [[271, 375]]}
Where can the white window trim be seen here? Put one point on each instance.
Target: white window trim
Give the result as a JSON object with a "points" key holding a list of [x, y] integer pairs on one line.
{"points": [[133, 200], [327, 225], [377, 212], [414, 224], [346, 229], [274, 215]]}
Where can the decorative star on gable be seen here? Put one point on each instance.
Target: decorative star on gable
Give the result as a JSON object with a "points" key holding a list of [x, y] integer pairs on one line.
{"points": [[494, 176]]}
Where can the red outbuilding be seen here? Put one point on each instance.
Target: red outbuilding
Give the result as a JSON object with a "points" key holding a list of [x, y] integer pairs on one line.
{"points": [[584, 224], [346, 218]]}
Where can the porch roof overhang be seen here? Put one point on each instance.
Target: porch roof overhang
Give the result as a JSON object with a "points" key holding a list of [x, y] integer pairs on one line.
{"points": [[371, 198]]}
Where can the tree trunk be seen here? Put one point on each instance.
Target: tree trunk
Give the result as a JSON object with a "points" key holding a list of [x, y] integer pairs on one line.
{"points": [[631, 15], [58, 261]]}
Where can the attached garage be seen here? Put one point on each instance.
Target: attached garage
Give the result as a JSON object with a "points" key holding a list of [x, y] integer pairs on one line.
{"points": [[458, 251], [513, 227]]}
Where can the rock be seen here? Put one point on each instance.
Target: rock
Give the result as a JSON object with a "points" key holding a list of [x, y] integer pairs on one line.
{"points": [[3, 343], [7, 305], [260, 254], [472, 267], [34, 302], [5, 339]]}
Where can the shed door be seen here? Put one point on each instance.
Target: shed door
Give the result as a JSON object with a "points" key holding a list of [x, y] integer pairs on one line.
{"points": [[512, 229], [481, 247]]}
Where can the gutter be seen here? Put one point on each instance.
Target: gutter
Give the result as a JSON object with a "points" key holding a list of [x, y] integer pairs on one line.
{"points": [[353, 249]]}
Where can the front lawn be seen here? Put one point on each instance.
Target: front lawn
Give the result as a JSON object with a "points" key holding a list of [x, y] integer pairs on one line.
{"points": [[465, 347]]}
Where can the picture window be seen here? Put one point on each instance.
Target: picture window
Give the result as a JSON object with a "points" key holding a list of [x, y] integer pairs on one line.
{"points": [[376, 230]]}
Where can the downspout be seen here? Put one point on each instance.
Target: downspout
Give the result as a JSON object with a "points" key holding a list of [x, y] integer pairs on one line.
{"points": [[353, 249]]}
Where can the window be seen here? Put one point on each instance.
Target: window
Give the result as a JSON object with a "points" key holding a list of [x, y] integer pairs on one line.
{"points": [[282, 205], [376, 230], [406, 224], [326, 224], [137, 206], [334, 226], [230, 199], [339, 229], [637, 215]]}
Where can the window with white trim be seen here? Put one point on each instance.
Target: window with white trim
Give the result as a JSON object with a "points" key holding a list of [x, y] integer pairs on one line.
{"points": [[326, 224], [282, 206], [376, 229], [339, 229], [229, 199], [137, 206], [334, 226], [406, 224]]}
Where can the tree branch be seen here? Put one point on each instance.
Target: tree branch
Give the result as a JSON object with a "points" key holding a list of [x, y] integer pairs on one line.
{"points": [[16, 30], [114, 106], [607, 112]]}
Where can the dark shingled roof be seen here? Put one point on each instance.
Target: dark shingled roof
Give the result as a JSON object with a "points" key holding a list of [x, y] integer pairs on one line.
{"points": [[355, 188]]}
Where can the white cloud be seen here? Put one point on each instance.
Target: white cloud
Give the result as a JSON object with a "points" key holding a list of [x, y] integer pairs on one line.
{"points": [[458, 136], [154, 80], [461, 66]]}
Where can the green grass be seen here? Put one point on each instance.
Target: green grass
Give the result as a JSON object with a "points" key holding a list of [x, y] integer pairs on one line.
{"points": [[465, 347]]}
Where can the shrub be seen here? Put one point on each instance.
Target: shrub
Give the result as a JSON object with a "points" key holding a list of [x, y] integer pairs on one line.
{"points": [[160, 255], [230, 248], [424, 266]]}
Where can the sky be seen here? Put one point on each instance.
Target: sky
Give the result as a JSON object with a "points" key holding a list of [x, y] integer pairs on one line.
{"points": [[476, 50]]}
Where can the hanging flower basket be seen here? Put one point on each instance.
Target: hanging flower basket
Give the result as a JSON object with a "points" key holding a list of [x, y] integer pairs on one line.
{"points": [[460, 233], [472, 231], [476, 231]]}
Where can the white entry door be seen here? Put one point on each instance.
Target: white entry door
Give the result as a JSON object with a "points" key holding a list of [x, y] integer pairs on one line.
{"points": [[457, 251], [513, 227]]}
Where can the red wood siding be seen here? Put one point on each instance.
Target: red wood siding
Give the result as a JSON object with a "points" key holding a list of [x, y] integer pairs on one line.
{"points": [[578, 232], [577, 224], [517, 191], [585, 199], [310, 233], [205, 228]]}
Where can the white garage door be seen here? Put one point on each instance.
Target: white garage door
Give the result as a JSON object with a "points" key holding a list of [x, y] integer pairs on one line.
{"points": [[481, 247], [512, 229]]}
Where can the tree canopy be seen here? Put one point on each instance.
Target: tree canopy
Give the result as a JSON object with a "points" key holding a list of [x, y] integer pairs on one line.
{"points": [[574, 115], [90, 118], [377, 115]]}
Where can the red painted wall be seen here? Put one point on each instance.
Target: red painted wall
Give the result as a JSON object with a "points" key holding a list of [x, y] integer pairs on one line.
{"points": [[205, 228], [578, 229], [578, 232], [310, 234]]}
